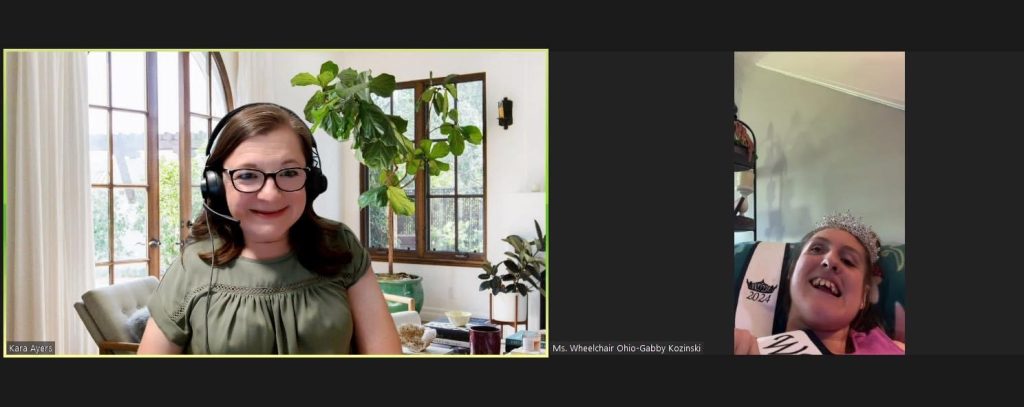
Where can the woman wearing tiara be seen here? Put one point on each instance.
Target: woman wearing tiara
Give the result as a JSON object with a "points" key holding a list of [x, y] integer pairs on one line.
{"points": [[832, 286]]}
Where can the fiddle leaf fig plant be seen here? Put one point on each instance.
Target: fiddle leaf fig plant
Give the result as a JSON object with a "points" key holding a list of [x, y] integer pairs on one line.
{"points": [[343, 107]]}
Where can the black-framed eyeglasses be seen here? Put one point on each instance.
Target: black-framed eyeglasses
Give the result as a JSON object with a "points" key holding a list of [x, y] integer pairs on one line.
{"points": [[250, 180]]}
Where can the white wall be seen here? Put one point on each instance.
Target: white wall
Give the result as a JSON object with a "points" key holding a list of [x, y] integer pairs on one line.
{"points": [[821, 150], [515, 157]]}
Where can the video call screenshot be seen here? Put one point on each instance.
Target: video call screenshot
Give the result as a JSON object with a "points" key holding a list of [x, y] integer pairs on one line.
{"points": [[526, 203]]}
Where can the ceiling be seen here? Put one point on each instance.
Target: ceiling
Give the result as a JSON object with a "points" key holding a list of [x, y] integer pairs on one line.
{"points": [[876, 76]]}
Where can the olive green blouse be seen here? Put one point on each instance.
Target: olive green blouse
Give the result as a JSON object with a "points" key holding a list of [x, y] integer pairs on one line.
{"points": [[273, 306]]}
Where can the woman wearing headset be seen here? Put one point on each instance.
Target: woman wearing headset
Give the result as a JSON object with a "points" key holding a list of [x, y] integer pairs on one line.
{"points": [[263, 273]]}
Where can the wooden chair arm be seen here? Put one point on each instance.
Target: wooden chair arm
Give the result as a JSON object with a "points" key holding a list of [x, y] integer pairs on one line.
{"points": [[411, 302]]}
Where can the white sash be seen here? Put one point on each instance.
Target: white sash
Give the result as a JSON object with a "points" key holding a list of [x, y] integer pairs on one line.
{"points": [[759, 290], [788, 343]]}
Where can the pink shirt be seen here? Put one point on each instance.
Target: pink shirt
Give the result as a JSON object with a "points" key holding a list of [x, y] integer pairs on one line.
{"points": [[874, 342]]}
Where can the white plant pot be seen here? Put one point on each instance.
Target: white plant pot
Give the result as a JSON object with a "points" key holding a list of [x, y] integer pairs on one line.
{"points": [[504, 307]]}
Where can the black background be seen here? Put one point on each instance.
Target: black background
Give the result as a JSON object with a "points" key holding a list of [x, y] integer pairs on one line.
{"points": [[963, 228]]}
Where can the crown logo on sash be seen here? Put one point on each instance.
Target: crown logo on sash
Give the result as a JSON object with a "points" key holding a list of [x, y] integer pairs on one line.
{"points": [[761, 287]]}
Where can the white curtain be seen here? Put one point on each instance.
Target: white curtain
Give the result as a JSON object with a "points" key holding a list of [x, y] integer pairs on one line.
{"points": [[255, 81], [49, 219]]}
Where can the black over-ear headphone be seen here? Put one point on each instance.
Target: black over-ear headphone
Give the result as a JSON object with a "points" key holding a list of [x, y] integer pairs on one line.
{"points": [[212, 185]]}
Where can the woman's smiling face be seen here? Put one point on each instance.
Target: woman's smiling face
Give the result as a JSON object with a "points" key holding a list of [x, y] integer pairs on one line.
{"points": [[828, 285], [267, 214]]}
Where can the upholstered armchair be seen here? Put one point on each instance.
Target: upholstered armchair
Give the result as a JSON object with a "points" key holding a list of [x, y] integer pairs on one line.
{"points": [[106, 310]]}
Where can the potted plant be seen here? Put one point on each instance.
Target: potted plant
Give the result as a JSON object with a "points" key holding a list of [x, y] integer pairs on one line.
{"points": [[527, 264], [343, 107]]}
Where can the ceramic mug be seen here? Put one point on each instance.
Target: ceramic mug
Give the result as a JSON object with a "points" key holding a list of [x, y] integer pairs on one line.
{"points": [[484, 340]]}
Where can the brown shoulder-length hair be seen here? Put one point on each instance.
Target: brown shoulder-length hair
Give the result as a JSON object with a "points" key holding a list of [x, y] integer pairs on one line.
{"points": [[316, 242]]}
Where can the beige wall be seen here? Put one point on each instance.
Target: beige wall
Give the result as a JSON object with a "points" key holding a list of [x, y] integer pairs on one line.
{"points": [[515, 156], [821, 150]]}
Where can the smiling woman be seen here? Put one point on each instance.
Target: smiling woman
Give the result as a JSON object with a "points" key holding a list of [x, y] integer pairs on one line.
{"points": [[277, 278], [829, 296]]}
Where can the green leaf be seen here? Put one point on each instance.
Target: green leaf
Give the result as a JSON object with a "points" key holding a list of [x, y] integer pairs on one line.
{"points": [[400, 202], [512, 266], [370, 197], [350, 111], [451, 89], [325, 78], [516, 241], [333, 123], [373, 155], [407, 145], [456, 144], [383, 85], [401, 125], [473, 134], [304, 79], [318, 117], [375, 126], [454, 115], [488, 268], [427, 95], [328, 71], [314, 102], [440, 150], [348, 92], [446, 128], [448, 79], [329, 67], [424, 146], [483, 276], [436, 102], [522, 289], [508, 277], [349, 77], [413, 166], [440, 165], [444, 107], [328, 123], [485, 285], [382, 198], [540, 235], [342, 129], [379, 120]]}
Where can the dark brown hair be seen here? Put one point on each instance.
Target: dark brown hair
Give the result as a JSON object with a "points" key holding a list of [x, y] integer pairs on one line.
{"points": [[316, 242]]}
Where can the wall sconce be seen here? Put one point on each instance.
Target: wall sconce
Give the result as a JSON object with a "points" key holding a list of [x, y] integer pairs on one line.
{"points": [[505, 113]]}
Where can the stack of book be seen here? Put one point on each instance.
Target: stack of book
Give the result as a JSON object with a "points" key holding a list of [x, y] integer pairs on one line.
{"points": [[451, 335], [438, 349]]}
